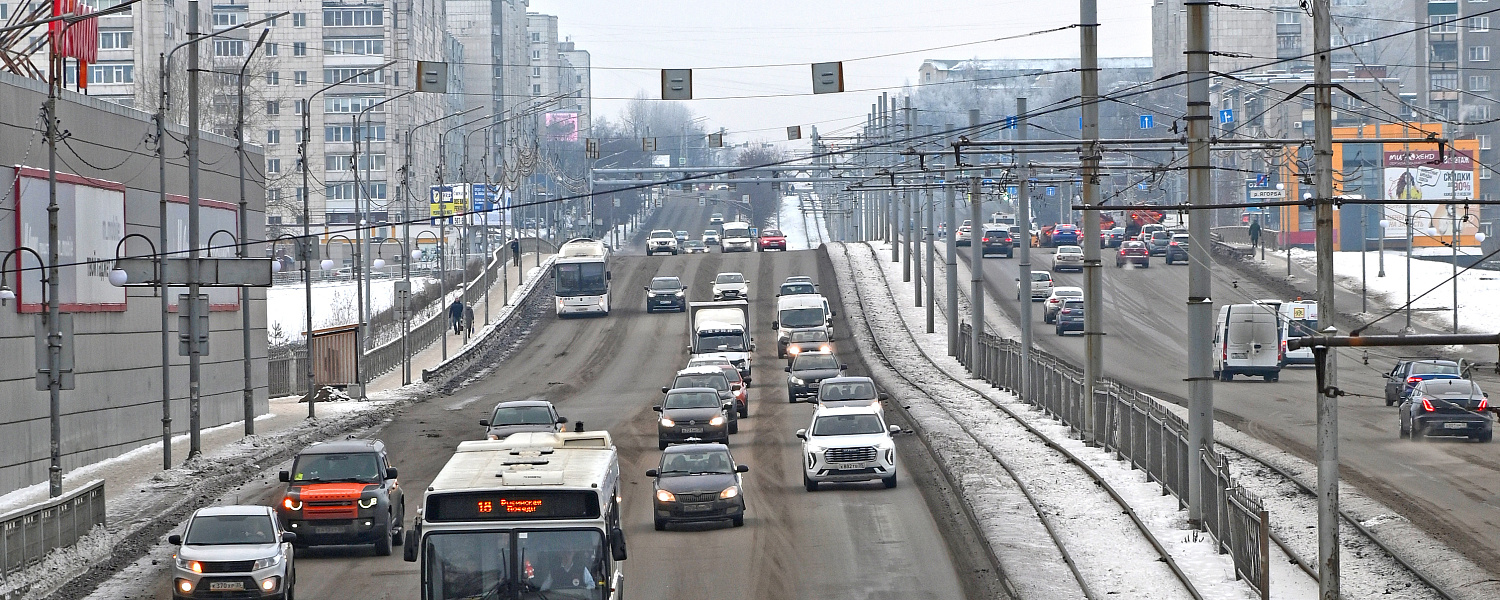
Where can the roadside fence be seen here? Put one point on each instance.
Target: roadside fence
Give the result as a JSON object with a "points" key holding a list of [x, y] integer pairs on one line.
{"points": [[28, 534]]}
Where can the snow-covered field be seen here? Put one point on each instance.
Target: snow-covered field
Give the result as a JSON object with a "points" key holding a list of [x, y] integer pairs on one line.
{"points": [[334, 303], [1478, 289]]}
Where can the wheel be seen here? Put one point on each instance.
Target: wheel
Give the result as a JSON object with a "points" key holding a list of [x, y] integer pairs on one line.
{"points": [[734, 426], [1389, 401], [1047, 318], [1059, 331], [889, 482], [790, 396], [660, 524], [1404, 433], [383, 543], [1273, 377], [1487, 435], [1417, 431], [1119, 265], [810, 485], [745, 410], [660, 445], [739, 521]]}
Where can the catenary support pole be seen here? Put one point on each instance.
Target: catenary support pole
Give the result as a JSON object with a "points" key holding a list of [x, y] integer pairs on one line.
{"points": [[1093, 284], [928, 233], [1023, 269], [195, 350], [1199, 300], [161, 264], [950, 260], [53, 293], [976, 278], [1327, 405]]}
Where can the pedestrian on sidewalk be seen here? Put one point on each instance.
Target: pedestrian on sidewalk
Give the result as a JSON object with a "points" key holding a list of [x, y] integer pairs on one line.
{"points": [[469, 319], [515, 250], [456, 315], [1254, 233]]}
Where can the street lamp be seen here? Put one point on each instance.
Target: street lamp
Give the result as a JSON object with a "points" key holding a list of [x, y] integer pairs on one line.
{"points": [[51, 318], [362, 287], [1384, 224], [244, 249]]}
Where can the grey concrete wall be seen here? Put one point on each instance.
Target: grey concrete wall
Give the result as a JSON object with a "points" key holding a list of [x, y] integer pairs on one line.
{"points": [[117, 405]]}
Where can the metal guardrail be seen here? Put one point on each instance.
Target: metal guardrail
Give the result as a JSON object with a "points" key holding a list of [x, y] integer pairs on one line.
{"points": [[28, 534], [1137, 429]]}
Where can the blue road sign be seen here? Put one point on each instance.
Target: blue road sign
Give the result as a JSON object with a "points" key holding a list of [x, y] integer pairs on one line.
{"points": [[1012, 190], [986, 180], [1147, 121], [1262, 180], [1226, 116], [1143, 186], [1010, 122], [1051, 190]]}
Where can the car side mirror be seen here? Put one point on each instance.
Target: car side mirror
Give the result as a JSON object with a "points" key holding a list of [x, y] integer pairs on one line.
{"points": [[174, 539], [652, 473], [484, 422], [774, 324], [608, 275], [665, 389], [726, 406], [561, 420], [656, 408], [883, 396], [802, 434], [747, 381], [742, 469], [894, 429], [288, 537], [617, 543], [843, 367], [390, 472], [787, 368], [646, 287], [284, 476]]}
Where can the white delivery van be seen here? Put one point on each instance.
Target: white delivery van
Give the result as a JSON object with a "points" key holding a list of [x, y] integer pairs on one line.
{"points": [[800, 312], [1299, 318], [1247, 341]]}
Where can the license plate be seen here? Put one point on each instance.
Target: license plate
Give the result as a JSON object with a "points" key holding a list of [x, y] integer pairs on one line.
{"points": [[848, 466], [225, 586], [663, 301], [702, 507], [1456, 425], [692, 430], [328, 530], [1239, 355]]}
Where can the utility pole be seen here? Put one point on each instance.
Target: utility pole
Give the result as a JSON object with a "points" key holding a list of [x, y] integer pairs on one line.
{"points": [[931, 271], [906, 208], [244, 235], [53, 289], [195, 350], [1093, 285], [1327, 404], [1200, 283], [1023, 217], [950, 258], [976, 276]]}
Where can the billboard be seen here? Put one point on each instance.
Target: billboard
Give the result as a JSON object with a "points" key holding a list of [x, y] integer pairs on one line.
{"points": [[562, 126], [448, 199], [91, 222], [1436, 185], [489, 200]]}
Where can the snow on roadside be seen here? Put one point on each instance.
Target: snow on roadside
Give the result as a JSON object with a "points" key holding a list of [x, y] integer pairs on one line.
{"points": [[1477, 288], [334, 303], [789, 218]]}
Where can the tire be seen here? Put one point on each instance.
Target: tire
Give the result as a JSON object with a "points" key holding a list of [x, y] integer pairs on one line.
{"points": [[790, 397], [1389, 402], [1273, 377], [889, 482], [1404, 433], [1487, 436], [1417, 431], [734, 426], [739, 521], [745, 412], [659, 524], [808, 484], [1059, 332], [1226, 376], [383, 543]]}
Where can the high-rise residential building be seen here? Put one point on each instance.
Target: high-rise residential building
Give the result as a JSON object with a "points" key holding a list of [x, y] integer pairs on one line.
{"points": [[495, 65], [1458, 82], [579, 62]]}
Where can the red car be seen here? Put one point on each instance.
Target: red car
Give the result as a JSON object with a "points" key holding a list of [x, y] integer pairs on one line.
{"points": [[1134, 253], [772, 239]]}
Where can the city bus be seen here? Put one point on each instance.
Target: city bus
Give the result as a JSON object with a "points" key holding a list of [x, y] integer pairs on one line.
{"points": [[533, 516], [580, 277]]}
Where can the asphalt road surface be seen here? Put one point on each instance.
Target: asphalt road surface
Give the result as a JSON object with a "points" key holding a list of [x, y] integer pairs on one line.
{"points": [[845, 541], [1446, 486]]}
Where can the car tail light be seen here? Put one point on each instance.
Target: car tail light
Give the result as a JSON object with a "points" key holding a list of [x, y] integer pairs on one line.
{"points": [[1484, 404], [1173, 243], [1427, 406]]}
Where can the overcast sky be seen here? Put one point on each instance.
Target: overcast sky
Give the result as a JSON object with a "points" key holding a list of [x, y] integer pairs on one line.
{"points": [[630, 41]]}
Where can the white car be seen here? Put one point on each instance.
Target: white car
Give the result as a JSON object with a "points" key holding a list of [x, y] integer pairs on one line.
{"points": [[961, 238], [661, 240], [1041, 286], [848, 443], [233, 551], [731, 286], [1055, 301], [710, 237], [1068, 257]]}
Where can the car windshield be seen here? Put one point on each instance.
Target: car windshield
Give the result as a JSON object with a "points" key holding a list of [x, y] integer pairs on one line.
{"points": [[808, 362], [1180, 238], [360, 467], [1451, 387], [1041, 276], [691, 400], [729, 278], [522, 415], [661, 234], [811, 335], [722, 342], [860, 390], [708, 362], [224, 530], [559, 564], [1072, 305], [710, 233], [705, 380], [1434, 369], [704, 462], [793, 289], [666, 283], [771, 233], [802, 317], [847, 425]]}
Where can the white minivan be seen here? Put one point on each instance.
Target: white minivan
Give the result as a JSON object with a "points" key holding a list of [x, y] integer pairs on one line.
{"points": [[1247, 341], [1300, 318]]}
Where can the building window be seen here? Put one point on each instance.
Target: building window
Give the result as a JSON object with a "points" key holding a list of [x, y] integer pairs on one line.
{"points": [[273, 165], [536, 37], [1443, 24], [299, 107], [299, 77], [353, 17], [272, 17], [112, 40], [273, 136], [299, 48], [352, 104], [4, 11], [226, 19], [272, 49], [357, 47], [1478, 23], [301, 193], [112, 73], [229, 48], [273, 219], [299, 19], [1479, 53], [347, 133], [536, 89], [1479, 83], [337, 75], [273, 78], [536, 55], [273, 107], [1484, 142], [1479, 112], [536, 71], [1444, 81], [1288, 17]]}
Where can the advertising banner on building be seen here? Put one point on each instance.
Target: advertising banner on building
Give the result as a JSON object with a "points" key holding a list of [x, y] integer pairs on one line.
{"points": [[489, 202], [91, 222], [562, 126], [1436, 185], [448, 200]]}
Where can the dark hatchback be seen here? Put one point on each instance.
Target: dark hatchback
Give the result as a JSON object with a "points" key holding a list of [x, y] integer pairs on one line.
{"points": [[809, 370], [997, 240], [1408, 372], [666, 293], [1177, 248], [696, 483], [1134, 253], [1157, 242], [1447, 407], [521, 416], [1112, 238], [1066, 235], [1070, 317], [692, 415]]}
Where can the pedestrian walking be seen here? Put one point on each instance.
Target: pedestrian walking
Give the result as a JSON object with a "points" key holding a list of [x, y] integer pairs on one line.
{"points": [[515, 250], [1254, 233], [456, 316], [469, 319]]}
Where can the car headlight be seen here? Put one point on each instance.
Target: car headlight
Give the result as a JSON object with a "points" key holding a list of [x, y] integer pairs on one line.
{"points": [[794, 349], [678, 294], [729, 492], [797, 380], [665, 496], [189, 565], [266, 563], [825, 348], [368, 502], [665, 422], [717, 420], [291, 503]]}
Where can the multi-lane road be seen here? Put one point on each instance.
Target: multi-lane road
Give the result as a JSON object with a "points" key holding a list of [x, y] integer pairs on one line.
{"points": [[848, 541], [1448, 487]]}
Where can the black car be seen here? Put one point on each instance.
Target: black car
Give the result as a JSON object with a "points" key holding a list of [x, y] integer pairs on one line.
{"points": [[1409, 371], [1112, 238], [807, 371], [692, 414], [521, 416], [1158, 242], [708, 376], [997, 240], [695, 483], [1177, 248], [666, 293], [849, 391], [1070, 317], [1447, 407], [343, 492]]}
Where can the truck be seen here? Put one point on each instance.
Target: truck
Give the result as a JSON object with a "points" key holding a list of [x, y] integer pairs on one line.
{"points": [[721, 329]]}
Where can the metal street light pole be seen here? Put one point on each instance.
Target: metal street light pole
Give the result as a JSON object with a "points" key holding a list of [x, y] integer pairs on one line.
{"points": [[195, 350], [244, 227], [360, 269], [1023, 269], [950, 260], [1384, 223]]}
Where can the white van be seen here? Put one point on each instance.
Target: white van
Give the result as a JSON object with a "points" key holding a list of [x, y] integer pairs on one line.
{"points": [[1299, 318], [799, 313], [1247, 341]]}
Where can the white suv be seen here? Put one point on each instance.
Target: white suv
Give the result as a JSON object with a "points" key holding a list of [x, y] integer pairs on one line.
{"points": [[661, 240], [233, 552], [848, 443]]}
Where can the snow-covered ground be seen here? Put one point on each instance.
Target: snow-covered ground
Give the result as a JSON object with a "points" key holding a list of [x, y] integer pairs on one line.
{"points": [[1478, 289], [803, 232], [334, 303]]}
